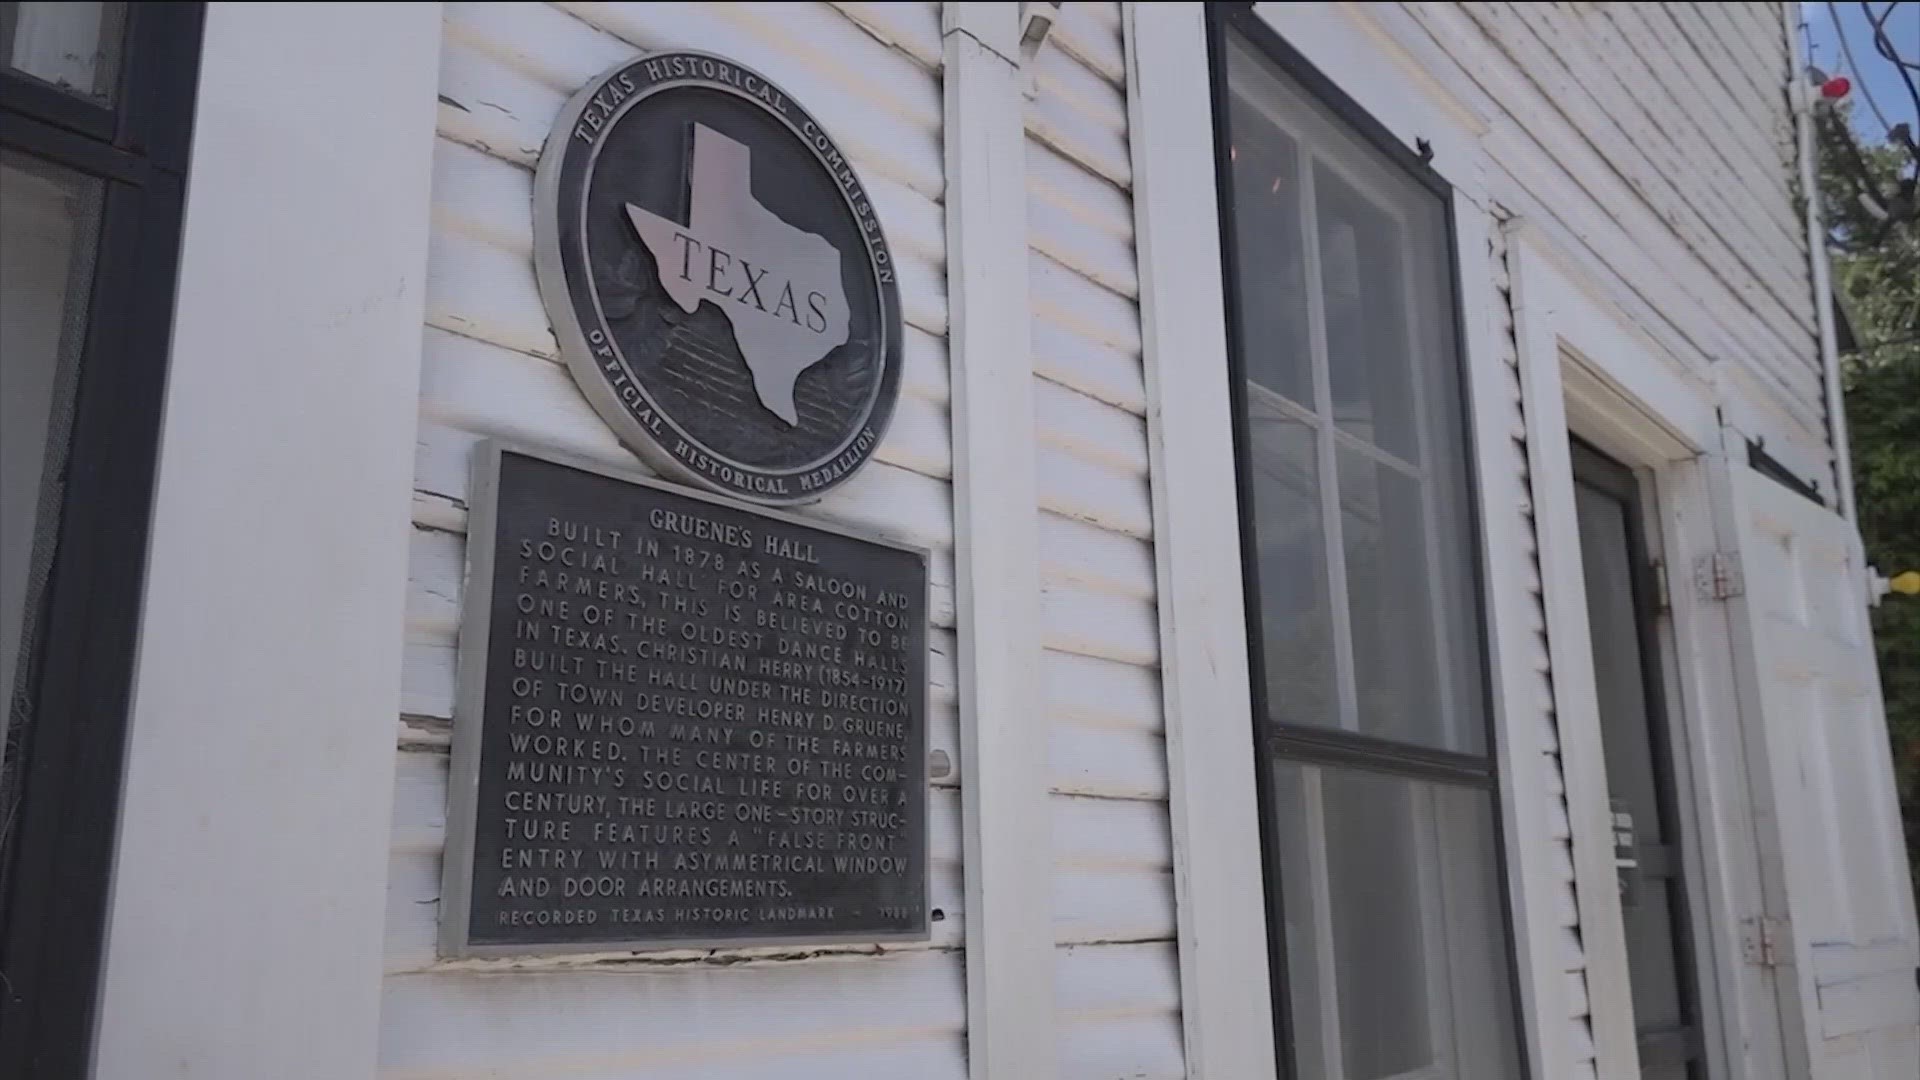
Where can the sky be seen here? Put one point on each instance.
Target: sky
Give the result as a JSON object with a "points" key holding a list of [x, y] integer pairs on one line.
{"points": [[1873, 75]]}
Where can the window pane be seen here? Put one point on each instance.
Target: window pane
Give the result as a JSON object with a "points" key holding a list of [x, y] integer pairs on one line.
{"points": [[49, 219], [1270, 279], [1296, 618], [1361, 273], [1395, 941], [1384, 534], [75, 46]]}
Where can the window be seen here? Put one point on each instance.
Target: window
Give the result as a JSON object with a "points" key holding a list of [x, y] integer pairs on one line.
{"points": [[95, 104], [1381, 834]]}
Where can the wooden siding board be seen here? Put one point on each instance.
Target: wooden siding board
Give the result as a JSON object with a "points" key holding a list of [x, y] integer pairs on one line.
{"points": [[1646, 282], [1760, 60], [662, 1023], [913, 28], [1677, 31], [1753, 95], [1569, 106], [1081, 114], [1078, 554], [1691, 154], [1106, 763], [1090, 33], [1079, 220], [1690, 88], [1118, 1001], [1098, 369], [1134, 1047]]}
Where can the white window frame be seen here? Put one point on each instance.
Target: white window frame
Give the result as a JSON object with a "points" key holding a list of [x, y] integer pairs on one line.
{"points": [[1222, 917]]}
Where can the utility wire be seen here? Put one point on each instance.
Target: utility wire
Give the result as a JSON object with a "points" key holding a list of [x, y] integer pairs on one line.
{"points": [[1859, 75], [1883, 44]]}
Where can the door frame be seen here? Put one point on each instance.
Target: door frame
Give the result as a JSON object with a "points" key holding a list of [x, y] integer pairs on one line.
{"points": [[1586, 373], [1635, 491]]}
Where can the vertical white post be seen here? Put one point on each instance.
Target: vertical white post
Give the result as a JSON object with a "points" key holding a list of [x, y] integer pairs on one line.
{"points": [[1218, 887], [1525, 767], [1009, 852], [1538, 308], [250, 883]]}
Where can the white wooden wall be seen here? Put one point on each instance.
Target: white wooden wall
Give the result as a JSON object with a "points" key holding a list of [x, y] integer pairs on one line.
{"points": [[1653, 143], [490, 367], [1649, 143], [1118, 985]]}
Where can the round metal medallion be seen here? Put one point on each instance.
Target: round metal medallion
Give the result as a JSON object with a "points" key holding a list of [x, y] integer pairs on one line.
{"points": [[717, 278]]}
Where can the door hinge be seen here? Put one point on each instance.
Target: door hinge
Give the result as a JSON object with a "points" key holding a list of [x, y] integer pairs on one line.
{"points": [[1662, 586], [1763, 940], [1717, 576]]}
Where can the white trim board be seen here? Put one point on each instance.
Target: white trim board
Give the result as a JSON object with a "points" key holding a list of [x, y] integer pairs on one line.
{"points": [[1583, 372], [1623, 393], [1011, 1021], [1722, 852], [249, 889], [1345, 45], [1525, 768], [1218, 883], [1546, 313]]}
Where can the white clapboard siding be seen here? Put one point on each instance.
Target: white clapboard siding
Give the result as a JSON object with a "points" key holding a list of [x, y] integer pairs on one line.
{"points": [[1510, 471], [491, 369], [1117, 986], [897, 1015], [1124, 1001], [1653, 144]]}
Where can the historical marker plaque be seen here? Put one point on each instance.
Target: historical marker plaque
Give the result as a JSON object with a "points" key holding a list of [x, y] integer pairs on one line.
{"points": [[717, 277], [682, 722]]}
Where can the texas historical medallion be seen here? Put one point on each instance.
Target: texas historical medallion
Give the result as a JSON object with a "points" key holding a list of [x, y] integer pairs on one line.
{"points": [[717, 278]]}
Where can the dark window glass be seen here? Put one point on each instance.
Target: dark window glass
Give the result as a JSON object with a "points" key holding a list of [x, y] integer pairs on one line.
{"points": [[1364, 594], [74, 46], [49, 228]]}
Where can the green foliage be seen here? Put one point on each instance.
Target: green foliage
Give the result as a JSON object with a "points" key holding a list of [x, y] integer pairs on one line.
{"points": [[1876, 262]]}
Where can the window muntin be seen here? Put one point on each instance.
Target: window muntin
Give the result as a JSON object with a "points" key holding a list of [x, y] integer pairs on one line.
{"points": [[1345, 333], [1364, 599], [1395, 935]]}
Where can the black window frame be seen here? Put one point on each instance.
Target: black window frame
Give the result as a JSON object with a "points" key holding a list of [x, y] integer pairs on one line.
{"points": [[59, 859], [1323, 746]]}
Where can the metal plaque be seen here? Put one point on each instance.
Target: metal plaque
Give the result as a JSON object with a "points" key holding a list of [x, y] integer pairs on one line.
{"points": [[717, 278], [681, 722]]}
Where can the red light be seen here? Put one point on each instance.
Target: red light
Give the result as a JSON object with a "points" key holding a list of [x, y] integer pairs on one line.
{"points": [[1836, 88]]}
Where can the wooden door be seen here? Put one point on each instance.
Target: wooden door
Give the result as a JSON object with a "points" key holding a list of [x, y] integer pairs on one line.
{"points": [[1847, 950]]}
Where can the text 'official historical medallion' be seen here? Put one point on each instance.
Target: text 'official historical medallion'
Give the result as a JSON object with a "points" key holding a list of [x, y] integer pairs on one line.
{"points": [[717, 278]]}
